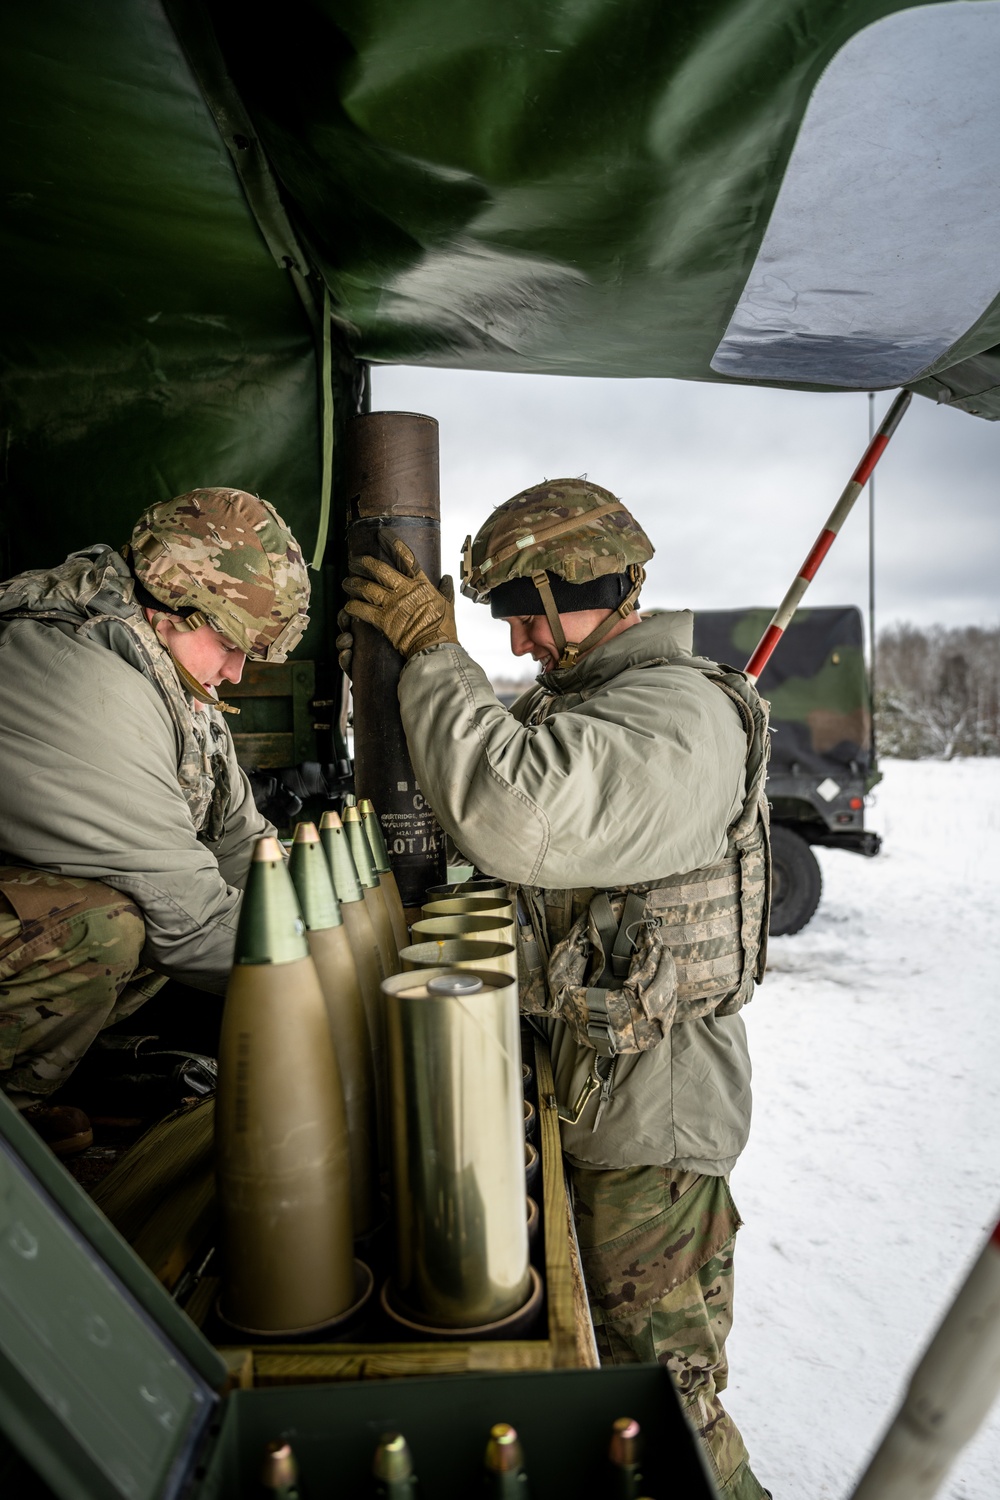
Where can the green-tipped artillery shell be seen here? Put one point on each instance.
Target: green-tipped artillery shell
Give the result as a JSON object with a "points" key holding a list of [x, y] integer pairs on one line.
{"points": [[386, 879], [339, 857], [271, 929], [279, 1473], [504, 1464], [282, 1154], [393, 1468], [360, 848], [374, 898], [375, 836], [310, 872], [367, 958]]}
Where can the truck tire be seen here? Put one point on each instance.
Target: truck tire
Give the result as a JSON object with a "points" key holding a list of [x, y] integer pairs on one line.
{"points": [[796, 882]]}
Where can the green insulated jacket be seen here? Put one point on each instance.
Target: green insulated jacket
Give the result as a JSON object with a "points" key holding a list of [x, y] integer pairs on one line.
{"points": [[635, 773], [95, 743]]}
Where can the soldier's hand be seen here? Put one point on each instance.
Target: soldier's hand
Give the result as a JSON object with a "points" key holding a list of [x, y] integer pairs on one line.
{"points": [[344, 643], [402, 602]]}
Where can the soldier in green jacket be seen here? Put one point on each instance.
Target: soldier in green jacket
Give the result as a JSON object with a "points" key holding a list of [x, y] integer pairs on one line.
{"points": [[126, 824], [623, 797]]}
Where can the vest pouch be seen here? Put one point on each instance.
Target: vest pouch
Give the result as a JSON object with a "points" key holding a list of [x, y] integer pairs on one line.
{"points": [[612, 979], [533, 997]]}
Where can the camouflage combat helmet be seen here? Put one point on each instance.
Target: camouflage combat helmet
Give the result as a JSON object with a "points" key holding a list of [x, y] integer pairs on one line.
{"points": [[230, 559], [562, 529]]}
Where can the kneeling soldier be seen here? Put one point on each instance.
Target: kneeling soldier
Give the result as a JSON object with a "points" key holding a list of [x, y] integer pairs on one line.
{"points": [[127, 825]]}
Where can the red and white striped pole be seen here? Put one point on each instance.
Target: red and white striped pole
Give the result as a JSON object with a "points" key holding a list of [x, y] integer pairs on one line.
{"points": [[950, 1394], [786, 609]]}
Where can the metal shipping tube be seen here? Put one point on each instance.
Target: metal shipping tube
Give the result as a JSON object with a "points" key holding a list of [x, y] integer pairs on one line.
{"points": [[393, 492], [457, 1147]]}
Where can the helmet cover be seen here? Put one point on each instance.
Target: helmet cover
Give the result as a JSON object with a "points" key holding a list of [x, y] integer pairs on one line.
{"points": [[229, 556], [568, 527]]}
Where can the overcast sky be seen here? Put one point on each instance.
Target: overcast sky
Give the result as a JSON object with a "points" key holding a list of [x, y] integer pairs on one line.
{"points": [[731, 483]]}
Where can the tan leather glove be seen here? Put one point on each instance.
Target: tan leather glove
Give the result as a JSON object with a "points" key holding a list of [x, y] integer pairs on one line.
{"points": [[402, 602], [344, 643]]}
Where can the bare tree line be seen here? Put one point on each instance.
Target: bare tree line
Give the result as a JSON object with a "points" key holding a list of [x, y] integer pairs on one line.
{"points": [[937, 692]]}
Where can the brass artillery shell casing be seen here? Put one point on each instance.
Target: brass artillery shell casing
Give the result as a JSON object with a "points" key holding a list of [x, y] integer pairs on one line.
{"points": [[282, 1154], [386, 878], [470, 906], [330, 949], [470, 929], [481, 887], [457, 1147], [475, 906], [374, 900], [460, 953]]}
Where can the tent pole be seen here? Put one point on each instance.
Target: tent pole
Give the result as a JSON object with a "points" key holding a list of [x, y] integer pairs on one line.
{"points": [[786, 609], [872, 649]]}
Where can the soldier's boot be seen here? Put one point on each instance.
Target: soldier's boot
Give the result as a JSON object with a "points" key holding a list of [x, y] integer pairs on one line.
{"points": [[64, 1129], [68, 949]]}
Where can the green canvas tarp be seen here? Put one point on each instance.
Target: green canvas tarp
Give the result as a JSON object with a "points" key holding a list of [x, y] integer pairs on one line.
{"points": [[793, 192]]}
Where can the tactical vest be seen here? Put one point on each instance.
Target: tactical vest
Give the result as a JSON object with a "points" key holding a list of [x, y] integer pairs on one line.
{"points": [[619, 968]]}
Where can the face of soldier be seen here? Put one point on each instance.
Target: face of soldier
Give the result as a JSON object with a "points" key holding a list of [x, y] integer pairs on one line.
{"points": [[206, 654], [530, 635]]}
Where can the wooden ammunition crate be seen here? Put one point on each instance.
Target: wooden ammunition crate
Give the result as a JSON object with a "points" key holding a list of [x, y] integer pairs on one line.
{"points": [[161, 1198]]}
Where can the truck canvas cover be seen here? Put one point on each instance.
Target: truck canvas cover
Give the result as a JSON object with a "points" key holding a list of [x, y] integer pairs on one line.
{"points": [[816, 684]]}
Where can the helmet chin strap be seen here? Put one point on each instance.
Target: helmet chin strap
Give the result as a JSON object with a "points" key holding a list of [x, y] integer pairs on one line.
{"points": [[198, 690], [571, 651]]}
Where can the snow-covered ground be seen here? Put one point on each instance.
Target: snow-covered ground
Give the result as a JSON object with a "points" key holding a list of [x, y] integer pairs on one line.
{"points": [[873, 1171]]}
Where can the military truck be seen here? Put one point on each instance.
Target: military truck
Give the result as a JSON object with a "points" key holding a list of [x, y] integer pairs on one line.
{"points": [[822, 749]]}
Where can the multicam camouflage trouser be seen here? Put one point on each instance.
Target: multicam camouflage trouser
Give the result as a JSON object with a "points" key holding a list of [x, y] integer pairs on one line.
{"points": [[68, 949], [657, 1250]]}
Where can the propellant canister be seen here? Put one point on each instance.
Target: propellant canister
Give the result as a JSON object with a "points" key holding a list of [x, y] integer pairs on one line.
{"points": [[386, 878], [623, 1457], [366, 954], [503, 1463], [457, 1148], [345, 1007], [279, 1472], [361, 849], [282, 1153], [393, 1468]]}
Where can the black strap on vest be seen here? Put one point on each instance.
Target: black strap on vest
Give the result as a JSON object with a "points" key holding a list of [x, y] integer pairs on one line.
{"points": [[618, 944]]}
